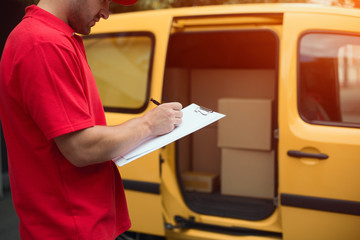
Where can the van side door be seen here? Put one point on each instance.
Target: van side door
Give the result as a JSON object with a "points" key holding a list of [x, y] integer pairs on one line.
{"points": [[319, 125]]}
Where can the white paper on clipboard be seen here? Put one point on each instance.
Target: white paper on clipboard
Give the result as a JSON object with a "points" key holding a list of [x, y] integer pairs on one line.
{"points": [[194, 118]]}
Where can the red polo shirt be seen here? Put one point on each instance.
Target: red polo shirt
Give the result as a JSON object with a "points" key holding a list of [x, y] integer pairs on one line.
{"points": [[47, 90]]}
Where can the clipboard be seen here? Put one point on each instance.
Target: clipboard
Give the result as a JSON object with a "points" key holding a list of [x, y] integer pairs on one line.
{"points": [[194, 118]]}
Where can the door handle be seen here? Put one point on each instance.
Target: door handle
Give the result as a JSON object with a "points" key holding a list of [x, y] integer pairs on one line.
{"points": [[300, 154]]}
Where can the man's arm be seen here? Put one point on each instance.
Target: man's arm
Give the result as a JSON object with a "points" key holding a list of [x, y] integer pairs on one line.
{"points": [[101, 143]]}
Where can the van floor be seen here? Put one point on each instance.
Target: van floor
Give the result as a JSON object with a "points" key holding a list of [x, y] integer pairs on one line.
{"points": [[217, 204]]}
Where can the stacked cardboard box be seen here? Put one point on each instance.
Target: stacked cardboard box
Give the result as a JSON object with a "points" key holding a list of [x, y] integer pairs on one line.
{"points": [[238, 148], [247, 162], [247, 173]]}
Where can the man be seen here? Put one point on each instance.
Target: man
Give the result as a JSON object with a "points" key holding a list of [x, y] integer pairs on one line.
{"points": [[64, 185]]}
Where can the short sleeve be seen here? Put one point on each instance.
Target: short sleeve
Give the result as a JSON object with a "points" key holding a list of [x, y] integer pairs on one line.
{"points": [[54, 89]]}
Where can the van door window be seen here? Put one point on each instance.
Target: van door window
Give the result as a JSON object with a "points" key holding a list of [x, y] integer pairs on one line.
{"points": [[228, 168], [329, 79], [121, 64]]}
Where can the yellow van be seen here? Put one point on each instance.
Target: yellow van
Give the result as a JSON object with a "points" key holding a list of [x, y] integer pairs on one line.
{"points": [[285, 162]]}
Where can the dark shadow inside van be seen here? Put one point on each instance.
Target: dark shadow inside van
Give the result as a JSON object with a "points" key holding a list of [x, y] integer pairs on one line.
{"points": [[229, 168]]}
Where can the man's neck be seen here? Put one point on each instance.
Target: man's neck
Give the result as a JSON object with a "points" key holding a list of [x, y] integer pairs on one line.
{"points": [[55, 7]]}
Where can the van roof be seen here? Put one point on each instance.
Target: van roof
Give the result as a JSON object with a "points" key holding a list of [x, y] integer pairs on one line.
{"points": [[257, 8]]}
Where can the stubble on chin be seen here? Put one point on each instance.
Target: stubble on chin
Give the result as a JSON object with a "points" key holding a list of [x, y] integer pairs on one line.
{"points": [[81, 29], [86, 31]]}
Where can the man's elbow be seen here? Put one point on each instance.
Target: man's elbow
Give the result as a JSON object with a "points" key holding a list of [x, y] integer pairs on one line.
{"points": [[76, 159], [73, 151], [81, 148]]}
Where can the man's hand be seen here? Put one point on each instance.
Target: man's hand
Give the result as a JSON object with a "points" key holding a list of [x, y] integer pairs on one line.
{"points": [[164, 118]]}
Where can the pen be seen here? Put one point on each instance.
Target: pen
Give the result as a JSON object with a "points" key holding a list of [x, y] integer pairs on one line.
{"points": [[154, 101]]}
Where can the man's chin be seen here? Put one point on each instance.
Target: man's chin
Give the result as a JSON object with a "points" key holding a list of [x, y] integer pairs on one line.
{"points": [[84, 31]]}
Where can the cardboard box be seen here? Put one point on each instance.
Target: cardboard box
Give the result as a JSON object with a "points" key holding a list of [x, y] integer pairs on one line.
{"points": [[200, 181], [206, 154], [247, 124], [248, 173]]}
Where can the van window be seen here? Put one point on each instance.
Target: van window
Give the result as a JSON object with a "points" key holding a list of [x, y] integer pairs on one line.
{"points": [[329, 79], [121, 64], [235, 73]]}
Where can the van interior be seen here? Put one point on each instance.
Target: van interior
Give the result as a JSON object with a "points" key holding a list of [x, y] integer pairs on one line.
{"points": [[228, 168]]}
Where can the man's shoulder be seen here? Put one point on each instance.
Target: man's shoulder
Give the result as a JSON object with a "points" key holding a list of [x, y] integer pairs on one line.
{"points": [[36, 31], [30, 37]]}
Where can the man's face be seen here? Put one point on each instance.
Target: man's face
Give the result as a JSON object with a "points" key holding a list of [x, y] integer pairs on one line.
{"points": [[83, 14]]}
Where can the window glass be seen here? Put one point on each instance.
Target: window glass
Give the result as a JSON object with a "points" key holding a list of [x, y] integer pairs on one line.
{"points": [[121, 65], [329, 79]]}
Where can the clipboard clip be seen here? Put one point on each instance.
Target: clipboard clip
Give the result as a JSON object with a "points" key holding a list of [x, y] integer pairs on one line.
{"points": [[203, 110]]}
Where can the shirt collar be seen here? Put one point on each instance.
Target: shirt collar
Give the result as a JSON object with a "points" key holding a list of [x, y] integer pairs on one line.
{"points": [[48, 18]]}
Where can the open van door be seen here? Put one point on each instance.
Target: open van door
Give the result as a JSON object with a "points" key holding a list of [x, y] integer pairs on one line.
{"points": [[319, 122], [128, 71], [220, 182]]}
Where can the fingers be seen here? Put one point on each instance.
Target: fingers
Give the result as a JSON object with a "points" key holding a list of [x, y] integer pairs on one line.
{"points": [[178, 117], [173, 105], [175, 113], [165, 117]]}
